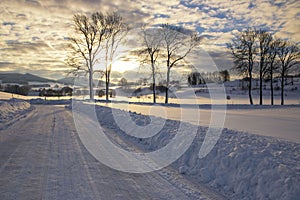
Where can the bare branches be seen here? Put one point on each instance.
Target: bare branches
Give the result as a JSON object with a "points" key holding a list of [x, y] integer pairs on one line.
{"points": [[115, 32], [151, 42], [264, 41], [289, 56], [243, 49], [90, 33], [259, 46], [167, 43], [174, 40]]}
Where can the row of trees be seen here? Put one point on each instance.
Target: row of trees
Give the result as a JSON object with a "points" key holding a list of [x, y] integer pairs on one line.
{"points": [[65, 91], [258, 50], [100, 32], [16, 89], [197, 78], [104, 32], [169, 45], [166, 44]]}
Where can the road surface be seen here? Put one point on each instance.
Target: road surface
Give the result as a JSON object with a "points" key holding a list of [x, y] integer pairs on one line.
{"points": [[42, 157]]}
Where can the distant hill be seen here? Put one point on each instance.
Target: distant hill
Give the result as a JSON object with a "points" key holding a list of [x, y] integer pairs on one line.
{"points": [[66, 81], [22, 78]]}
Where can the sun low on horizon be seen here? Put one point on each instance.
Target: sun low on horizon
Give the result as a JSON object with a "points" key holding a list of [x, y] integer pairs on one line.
{"points": [[33, 33]]}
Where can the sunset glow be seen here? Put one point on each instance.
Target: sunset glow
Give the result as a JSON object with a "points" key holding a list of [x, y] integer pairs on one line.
{"points": [[33, 32]]}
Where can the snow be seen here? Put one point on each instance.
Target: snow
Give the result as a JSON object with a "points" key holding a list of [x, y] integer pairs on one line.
{"points": [[42, 157], [246, 166], [240, 166], [10, 109], [256, 157], [7, 96], [277, 121]]}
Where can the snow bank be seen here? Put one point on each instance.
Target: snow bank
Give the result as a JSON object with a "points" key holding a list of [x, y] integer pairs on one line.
{"points": [[40, 101], [9, 109], [246, 166], [240, 166]]}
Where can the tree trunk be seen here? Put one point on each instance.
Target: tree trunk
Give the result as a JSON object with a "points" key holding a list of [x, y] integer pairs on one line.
{"points": [[167, 86], [107, 80], [271, 85], [91, 84], [154, 92], [250, 89], [282, 88], [260, 86], [106, 91], [153, 83]]}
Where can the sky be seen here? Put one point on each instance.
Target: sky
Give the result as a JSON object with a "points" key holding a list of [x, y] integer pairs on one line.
{"points": [[33, 32]]}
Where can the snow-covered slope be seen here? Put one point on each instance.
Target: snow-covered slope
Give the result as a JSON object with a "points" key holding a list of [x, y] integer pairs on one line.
{"points": [[246, 166], [10, 109], [240, 166]]}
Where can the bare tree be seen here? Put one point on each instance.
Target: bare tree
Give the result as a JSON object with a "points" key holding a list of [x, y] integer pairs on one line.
{"points": [[264, 40], [151, 42], [86, 44], [243, 48], [116, 31], [271, 62], [289, 56], [177, 43]]}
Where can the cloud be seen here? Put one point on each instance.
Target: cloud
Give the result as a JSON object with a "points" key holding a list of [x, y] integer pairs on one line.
{"points": [[5, 66], [33, 32], [9, 23], [33, 3]]}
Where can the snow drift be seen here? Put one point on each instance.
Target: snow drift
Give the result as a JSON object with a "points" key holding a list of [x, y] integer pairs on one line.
{"points": [[10, 109], [240, 166]]}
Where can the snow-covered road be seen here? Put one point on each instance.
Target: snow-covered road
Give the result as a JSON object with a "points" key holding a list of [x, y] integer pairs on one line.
{"points": [[42, 157]]}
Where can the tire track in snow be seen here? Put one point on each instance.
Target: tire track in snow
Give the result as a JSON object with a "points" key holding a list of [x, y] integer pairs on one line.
{"points": [[82, 162], [23, 167], [45, 180], [64, 176]]}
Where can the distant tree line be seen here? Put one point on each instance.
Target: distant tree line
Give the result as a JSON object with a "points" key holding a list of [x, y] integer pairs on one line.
{"points": [[25, 89], [16, 89], [259, 52], [65, 91], [197, 78]]}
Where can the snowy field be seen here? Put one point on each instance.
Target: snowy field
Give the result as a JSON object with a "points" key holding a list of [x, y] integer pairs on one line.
{"points": [[256, 157], [277, 121]]}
